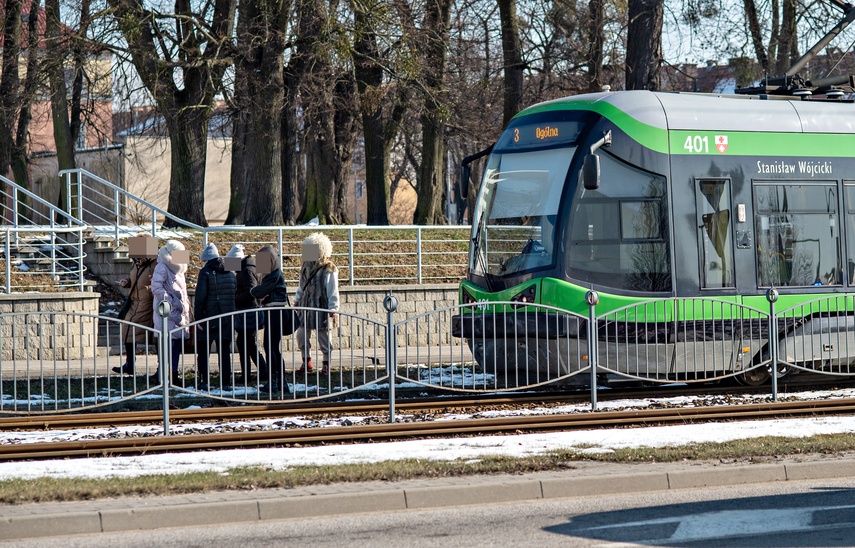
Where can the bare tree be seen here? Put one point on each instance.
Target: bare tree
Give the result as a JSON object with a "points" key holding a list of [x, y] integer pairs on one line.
{"points": [[327, 98], [57, 45], [258, 101], [433, 37], [10, 92], [19, 159], [382, 100], [181, 58]]}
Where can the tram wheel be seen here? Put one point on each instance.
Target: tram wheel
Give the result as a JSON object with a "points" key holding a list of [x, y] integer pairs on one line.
{"points": [[755, 377], [761, 375]]}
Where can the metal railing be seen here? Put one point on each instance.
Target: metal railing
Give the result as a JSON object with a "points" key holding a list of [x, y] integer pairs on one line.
{"points": [[43, 245], [57, 361], [365, 255]]}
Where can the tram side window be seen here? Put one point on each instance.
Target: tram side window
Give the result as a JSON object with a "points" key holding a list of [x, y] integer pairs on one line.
{"points": [[715, 234], [849, 196], [618, 233], [798, 240]]}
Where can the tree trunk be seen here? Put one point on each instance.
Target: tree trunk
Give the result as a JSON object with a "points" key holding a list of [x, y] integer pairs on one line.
{"points": [[292, 198], [238, 182], [596, 20], [512, 55], [20, 163], [188, 135], [62, 134], [756, 33], [788, 38], [644, 44], [256, 196], [372, 95], [9, 85], [429, 209], [79, 56], [435, 46]]}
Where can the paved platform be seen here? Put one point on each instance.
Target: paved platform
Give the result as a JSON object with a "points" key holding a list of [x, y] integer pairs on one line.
{"points": [[579, 479]]}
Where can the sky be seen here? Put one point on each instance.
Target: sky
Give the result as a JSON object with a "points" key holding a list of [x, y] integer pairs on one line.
{"points": [[521, 445]]}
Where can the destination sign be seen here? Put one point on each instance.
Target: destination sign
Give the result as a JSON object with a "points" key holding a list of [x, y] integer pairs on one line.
{"points": [[537, 135]]}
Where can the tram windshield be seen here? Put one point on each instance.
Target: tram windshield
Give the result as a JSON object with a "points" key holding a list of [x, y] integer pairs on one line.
{"points": [[517, 210]]}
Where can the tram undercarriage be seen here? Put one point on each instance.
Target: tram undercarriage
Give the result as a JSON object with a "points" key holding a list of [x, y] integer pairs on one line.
{"points": [[670, 352]]}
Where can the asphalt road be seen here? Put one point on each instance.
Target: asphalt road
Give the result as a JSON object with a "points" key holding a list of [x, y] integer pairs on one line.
{"points": [[793, 513]]}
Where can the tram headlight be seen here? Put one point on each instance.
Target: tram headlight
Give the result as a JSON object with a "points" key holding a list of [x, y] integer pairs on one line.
{"points": [[467, 297], [525, 297]]}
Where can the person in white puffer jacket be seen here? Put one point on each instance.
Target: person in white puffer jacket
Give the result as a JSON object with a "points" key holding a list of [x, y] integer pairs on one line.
{"points": [[168, 285]]}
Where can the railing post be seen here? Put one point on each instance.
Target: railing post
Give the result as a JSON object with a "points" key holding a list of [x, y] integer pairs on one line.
{"points": [[80, 196], [116, 212], [772, 297], [419, 254], [592, 298], [52, 251], [165, 350], [390, 303], [281, 245], [8, 263], [80, 276], [350, 255], [67, 176]]}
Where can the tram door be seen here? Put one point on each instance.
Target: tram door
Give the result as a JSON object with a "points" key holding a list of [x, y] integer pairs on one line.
{"points": [[706, 344]]}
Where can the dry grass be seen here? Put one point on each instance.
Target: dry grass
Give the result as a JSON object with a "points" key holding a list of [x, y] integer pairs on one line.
{"points": [[380, 257], [748, 451]]}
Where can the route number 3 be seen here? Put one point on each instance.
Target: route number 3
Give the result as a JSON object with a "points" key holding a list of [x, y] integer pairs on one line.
{"points": [[696, 144]]}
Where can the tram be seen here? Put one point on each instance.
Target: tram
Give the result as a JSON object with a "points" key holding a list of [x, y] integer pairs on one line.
{"points": [[643, 195]]}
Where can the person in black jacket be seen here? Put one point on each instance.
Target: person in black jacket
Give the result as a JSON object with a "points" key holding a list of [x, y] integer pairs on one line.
{"points": [[273, 293], [248, 324], [215, 295]]}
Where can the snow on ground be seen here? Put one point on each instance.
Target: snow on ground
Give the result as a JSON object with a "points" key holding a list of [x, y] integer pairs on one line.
{"points": [[433, 449]]}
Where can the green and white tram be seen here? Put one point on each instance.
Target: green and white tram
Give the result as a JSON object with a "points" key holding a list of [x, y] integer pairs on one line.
{"points": [[643, 195]]}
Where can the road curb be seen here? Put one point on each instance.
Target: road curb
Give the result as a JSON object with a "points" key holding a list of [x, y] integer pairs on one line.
{"points": [[92, 517]]}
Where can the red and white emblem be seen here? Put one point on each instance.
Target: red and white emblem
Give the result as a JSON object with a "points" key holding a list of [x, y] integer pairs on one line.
{"points": [[721, 143]]}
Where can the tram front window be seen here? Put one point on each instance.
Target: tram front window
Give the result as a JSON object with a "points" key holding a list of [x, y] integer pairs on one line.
{"points": [[516, 211]]}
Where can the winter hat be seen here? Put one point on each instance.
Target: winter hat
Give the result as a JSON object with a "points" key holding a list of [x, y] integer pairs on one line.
{"points": [[210, 252], [237, 251], [174, 245]]}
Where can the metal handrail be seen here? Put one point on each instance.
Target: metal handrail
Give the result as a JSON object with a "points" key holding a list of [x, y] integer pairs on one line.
{"points": [[28, 225], [115, 193]]}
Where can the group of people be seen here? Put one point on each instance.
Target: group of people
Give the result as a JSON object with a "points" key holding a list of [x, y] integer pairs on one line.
{"points": [[259, 292]]}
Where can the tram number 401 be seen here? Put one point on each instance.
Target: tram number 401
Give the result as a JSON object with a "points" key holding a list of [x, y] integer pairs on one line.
{"points": [[697, 144]]}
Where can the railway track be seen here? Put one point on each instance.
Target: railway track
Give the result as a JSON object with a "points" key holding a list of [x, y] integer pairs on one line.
{"points": [[100, 419], [405, 430]]}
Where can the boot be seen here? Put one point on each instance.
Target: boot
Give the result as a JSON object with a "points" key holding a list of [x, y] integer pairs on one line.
{"points": [[325, 370], [307, 366], [125, 369]]}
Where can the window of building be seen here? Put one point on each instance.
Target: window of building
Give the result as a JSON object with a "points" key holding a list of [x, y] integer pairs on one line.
{"points": [[798, 239]]}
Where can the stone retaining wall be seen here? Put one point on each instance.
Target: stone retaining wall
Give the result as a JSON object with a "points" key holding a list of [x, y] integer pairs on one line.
{"points": [[47, 326], [28, 330], [367, 302]]}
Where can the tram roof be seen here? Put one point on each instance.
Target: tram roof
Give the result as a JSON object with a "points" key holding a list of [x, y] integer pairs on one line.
{"points": [[711, 112]]}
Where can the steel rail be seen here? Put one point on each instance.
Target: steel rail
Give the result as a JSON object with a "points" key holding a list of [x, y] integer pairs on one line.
{"points": [[251, 412], [381, 432]]}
